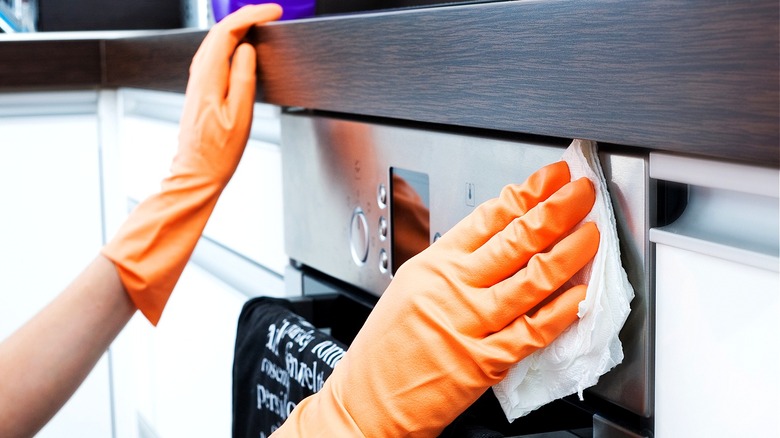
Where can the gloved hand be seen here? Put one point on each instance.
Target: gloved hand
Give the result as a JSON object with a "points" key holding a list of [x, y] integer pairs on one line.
{"points": [[152, 247], [459, 314]]}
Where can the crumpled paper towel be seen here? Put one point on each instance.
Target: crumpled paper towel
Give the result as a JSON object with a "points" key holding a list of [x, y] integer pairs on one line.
{"points": [[590, 347]]}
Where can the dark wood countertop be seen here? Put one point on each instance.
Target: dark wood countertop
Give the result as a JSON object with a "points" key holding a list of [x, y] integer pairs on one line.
{"points": [[39, 63], [698, 76], [153, 60], [159, 62], [695, 77]]}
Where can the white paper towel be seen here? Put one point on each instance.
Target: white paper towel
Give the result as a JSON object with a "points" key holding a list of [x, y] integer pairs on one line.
{"points": [[590, 347]]}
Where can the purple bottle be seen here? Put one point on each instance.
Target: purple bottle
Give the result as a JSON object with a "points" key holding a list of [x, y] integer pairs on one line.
{"points": [[292, 9]]}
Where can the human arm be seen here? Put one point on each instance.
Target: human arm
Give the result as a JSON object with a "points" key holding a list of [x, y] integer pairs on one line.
{"points": [[45, 361], [152, 247], [457, 316]]}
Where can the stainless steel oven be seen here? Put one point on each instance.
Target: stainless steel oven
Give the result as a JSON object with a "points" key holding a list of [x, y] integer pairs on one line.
{"points": [[341, 234]]}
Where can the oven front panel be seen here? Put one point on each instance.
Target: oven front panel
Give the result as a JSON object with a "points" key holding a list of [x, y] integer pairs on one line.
{"points": [[338, 188], [344, 179]]}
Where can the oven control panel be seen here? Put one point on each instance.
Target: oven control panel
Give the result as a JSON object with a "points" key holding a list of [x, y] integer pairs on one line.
{"points": [[361, 199]]}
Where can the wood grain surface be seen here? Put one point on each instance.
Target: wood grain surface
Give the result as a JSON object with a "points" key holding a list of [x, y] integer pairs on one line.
{"points": [[698, 77], [159, 62], [61, 64]]}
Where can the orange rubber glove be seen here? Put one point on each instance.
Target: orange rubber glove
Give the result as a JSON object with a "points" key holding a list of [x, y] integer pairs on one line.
{"points": [[459, 314], [152, 247]]}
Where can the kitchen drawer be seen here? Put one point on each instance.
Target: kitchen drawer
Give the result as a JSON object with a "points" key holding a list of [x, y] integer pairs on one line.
{"points": [[147, 147], [248, 216]]}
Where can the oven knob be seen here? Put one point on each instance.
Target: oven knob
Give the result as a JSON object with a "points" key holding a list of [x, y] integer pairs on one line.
{"points": [[381, 196], [384, 261], [382, 228], [358, 236]]}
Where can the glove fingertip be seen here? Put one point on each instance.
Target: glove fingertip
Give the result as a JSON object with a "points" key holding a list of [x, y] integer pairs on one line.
{"points": [[548, 179], [541, 326], [559, 167], [249, 15], [273, 11], [557, 315], [517, 199], [244, 60], [593, 233], [588, 240], [584, 193]]}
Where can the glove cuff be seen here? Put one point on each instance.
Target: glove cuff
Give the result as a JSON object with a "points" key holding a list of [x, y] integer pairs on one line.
{"points": [[156, 241], [319, 415]]}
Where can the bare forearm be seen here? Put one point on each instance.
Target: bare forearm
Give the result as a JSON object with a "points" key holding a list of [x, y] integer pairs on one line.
{"points": [[45, 361]]}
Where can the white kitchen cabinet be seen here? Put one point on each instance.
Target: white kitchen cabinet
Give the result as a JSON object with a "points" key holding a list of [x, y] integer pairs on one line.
{"points": [[184, 365], [718, 302], [50, 226]]}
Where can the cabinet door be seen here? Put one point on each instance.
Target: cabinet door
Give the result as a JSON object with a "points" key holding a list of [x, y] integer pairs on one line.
{"points": [[184, 365], [50, 229], [718, 346], [718, 303]]}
